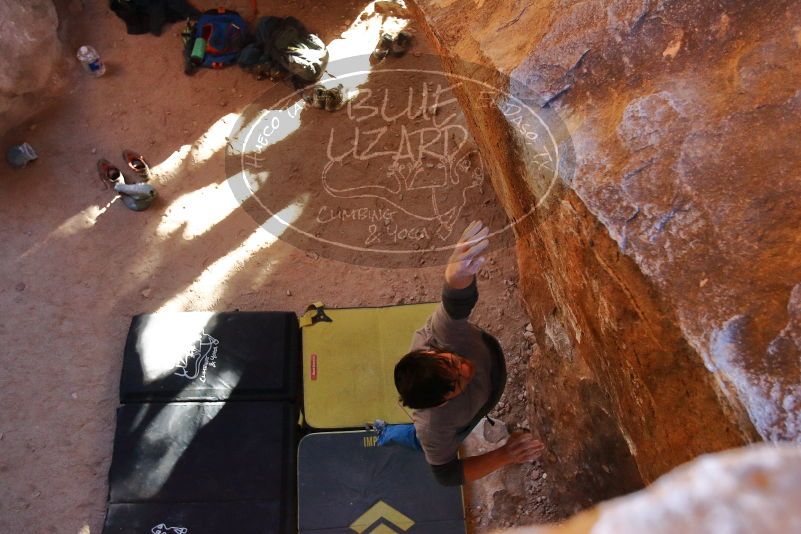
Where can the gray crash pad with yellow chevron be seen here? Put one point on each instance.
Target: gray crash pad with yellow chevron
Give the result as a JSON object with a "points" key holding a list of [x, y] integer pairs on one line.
{"points": [[348, 484], [348, 364]]}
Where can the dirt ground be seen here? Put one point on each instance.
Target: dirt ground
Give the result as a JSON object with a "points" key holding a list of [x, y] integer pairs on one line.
{"points": [[77, 266]]}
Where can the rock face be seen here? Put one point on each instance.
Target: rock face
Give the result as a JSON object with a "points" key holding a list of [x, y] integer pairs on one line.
{"points": [[31, 53], [662, 270], [748, 490]]}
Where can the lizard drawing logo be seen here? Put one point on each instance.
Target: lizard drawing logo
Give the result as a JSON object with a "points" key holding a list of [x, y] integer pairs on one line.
{"points": [[199, 356], [161, 528]]}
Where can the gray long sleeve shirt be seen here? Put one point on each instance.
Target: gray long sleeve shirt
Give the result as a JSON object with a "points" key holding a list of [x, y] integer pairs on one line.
{"points": [[441, 429]]}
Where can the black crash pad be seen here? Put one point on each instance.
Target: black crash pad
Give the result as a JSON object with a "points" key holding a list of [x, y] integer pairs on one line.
{"points": [[206, 356], [204, 452], [347, 484], [250, 517]]}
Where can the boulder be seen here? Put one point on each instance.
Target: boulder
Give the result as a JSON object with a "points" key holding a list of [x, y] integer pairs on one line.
{"points": [[661, 269], [32, 52], [754, 489]]}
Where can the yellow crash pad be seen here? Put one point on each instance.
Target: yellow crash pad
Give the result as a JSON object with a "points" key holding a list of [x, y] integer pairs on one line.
{"points": [[348, 364]]}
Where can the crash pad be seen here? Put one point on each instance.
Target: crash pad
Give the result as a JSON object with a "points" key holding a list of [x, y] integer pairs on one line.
{"points": [[205, 356], [349, 361], [204, 452], [348, 484]]}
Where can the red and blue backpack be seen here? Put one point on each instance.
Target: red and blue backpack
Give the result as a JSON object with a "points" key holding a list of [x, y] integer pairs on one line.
{"points": [[225, 33]]}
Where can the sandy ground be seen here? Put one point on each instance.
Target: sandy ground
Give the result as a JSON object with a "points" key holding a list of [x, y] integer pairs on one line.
{"points": [[77, 265]]}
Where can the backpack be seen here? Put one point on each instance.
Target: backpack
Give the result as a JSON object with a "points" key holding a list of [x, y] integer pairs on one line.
{"points": [[298, 51], [225, 33]]}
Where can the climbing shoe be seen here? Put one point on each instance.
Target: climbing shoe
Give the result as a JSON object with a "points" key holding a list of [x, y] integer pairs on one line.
{"points": [[108, 173], [136, 162]]}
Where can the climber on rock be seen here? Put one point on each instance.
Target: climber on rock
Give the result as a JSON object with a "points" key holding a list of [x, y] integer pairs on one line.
{"points": [[453, 376]]}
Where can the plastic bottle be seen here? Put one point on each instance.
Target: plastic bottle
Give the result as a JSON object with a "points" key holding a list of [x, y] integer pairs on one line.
{"points": [[198, 51], [91, 61], [18, 156]]}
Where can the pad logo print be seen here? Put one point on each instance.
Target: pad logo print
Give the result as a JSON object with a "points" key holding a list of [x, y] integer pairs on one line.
{"points": [[161, 528], [199, 356]]}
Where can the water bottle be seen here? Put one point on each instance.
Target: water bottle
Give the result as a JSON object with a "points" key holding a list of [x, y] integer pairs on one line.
{"points": [[18, 156], [91, 61], [198, 51]]}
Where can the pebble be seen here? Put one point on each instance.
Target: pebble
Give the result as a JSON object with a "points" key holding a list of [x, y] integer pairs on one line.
{"points": [[288, 293], [94, 151], [146, 292]]}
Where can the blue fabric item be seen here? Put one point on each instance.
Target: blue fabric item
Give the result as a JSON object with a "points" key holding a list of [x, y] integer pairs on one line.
{"points": [[402, 435], [405, 435]]}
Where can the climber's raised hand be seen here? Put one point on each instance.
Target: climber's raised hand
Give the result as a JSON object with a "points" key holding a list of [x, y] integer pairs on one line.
{"points": [[466, 259]]}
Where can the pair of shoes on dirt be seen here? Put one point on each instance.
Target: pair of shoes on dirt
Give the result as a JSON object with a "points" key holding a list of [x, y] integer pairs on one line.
{"points": [[269, 70], [391, 45], [137, 196], [327, 99]]}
